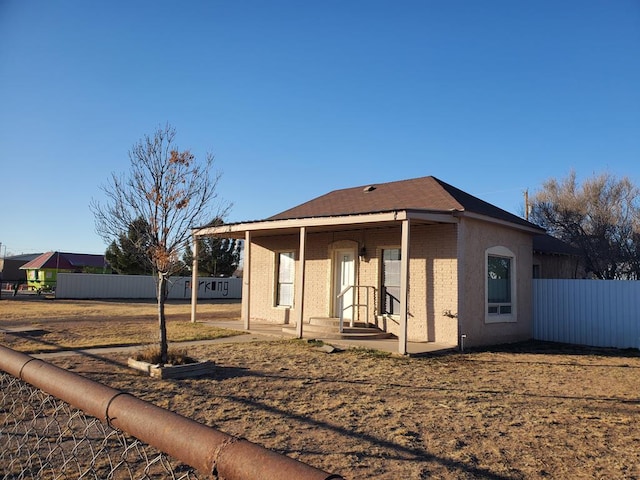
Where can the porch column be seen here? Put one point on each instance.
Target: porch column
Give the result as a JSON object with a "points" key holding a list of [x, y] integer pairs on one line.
{"points": [[194, 280], [404, 287], [246, 281], [298, 294]]}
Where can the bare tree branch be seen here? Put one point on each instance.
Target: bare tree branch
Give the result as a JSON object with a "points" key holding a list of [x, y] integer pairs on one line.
{"points": [[171, 192], [601, 217]]}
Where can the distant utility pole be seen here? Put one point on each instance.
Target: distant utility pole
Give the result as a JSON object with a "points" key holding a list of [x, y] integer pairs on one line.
{"points": [[526, 204]]}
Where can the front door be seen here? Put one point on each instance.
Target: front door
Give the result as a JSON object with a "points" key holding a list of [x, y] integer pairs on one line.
{"points": [[345, 276]]}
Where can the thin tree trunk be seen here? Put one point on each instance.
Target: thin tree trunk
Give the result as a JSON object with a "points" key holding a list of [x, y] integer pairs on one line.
{"points": [[162, 323]]}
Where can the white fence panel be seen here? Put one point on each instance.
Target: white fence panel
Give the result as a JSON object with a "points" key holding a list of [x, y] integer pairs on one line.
{"points": [[89, 285], [599, 313]]}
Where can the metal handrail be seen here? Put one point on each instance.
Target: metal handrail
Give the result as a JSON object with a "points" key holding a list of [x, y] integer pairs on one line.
{"points": [[356, 305]]}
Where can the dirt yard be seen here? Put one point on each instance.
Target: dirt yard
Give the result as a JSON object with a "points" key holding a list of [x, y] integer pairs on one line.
{"points": [[525, 412]]}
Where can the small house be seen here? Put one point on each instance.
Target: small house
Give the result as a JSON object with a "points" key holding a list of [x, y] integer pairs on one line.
{"points": [[10, 271], [418, 259], [553, 258], [42, 272]]}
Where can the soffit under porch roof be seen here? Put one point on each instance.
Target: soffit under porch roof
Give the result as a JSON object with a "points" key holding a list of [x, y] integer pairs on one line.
{"points": [[327, 224]]}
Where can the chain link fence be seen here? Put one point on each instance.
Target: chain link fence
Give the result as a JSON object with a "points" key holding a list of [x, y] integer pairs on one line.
{"points": [[45, 438], [55, 424]]}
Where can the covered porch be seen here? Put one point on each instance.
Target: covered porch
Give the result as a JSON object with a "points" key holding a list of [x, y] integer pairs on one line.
{"points": [[262, 330], [337, 275]]}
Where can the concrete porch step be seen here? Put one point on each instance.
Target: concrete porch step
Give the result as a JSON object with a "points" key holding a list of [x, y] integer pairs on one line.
{"points": [[334, 322], [328, 328]]}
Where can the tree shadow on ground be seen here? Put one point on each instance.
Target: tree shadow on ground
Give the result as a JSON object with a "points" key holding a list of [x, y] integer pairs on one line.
{"points": [[402, 452]]}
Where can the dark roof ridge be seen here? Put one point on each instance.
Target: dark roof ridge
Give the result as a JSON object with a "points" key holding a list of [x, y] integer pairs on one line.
{"points": [[474, 204], [427, 193], [65, 260]]}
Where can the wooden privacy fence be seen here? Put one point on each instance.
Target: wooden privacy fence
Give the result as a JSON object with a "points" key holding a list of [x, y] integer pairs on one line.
{"points": [[599, 313]]}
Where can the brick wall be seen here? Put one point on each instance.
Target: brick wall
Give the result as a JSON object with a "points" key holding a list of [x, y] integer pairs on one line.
{"points": [[433, 276], [446, 259]]}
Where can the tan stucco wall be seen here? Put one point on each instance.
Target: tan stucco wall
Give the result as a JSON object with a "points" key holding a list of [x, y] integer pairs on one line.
{"points": [[475, 238], [433, 277]]}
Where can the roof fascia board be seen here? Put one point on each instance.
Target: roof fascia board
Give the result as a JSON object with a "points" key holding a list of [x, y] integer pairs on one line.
{"points": [[368, 218], [504, 223], [382, 217], [430, 217], [299, 222]]}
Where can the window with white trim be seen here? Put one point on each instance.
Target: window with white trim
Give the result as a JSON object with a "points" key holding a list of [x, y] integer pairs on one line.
{"points": [[500, 285], [390, 303], [284, 287]]}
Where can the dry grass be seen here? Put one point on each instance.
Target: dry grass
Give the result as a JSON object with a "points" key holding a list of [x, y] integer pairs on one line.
{"points": [[527, 413], [151, 354], [40, 309], [52, 325]]}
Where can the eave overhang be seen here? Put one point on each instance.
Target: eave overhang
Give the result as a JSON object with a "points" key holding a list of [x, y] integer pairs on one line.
{"points": [[526, 228], [342, 222], [350, 222]]}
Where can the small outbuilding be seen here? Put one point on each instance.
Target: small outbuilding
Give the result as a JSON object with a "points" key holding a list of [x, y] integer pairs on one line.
{"points": [[10, 271], [419, 259], [553, 258], [42, 272]]}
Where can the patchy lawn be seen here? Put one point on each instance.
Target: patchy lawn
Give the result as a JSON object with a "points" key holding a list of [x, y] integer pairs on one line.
{"points": [[493, 415], [40, 325]]}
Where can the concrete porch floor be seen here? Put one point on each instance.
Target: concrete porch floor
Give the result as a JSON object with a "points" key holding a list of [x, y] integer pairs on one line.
{"points": [[384, 345]]}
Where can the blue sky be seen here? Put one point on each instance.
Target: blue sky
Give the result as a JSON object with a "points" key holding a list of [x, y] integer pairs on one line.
{"points": [[298, 98]]}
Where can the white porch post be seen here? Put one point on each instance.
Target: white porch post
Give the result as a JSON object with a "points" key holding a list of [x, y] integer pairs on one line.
{"points": [[194, 280], [404, 287], [246, 281], [298, 294]]}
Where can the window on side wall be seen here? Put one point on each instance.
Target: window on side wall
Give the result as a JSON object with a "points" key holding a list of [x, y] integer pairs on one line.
{"points": [[285, 270], [390, 303], [500, 285]]}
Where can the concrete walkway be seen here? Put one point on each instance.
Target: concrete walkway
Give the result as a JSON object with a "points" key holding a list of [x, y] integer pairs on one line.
{"points": [[385, 345], [265, 332]]}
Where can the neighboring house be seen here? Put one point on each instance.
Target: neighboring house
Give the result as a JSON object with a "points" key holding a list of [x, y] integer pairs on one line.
{"points": [[553, 258], [42, 272], [10, 267], [433, 264]]}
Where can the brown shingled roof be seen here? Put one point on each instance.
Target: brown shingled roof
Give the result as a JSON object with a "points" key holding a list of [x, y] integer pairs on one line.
{"points": [[424, 193], [545, 243]]}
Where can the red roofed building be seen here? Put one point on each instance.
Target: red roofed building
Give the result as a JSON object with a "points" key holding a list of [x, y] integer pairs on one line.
{"points": [[42, 272]]}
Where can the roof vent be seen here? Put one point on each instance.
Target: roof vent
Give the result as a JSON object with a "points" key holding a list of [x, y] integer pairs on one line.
{"points": [[370, 188]]}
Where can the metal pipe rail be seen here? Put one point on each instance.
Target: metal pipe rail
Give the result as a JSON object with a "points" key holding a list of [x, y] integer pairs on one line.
{"points": [[207, 450], [355, 306]]}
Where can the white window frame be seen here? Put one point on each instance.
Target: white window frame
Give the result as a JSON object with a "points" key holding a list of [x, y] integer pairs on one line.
{"points": [[382, 273], [278, 280], [497, 317]]}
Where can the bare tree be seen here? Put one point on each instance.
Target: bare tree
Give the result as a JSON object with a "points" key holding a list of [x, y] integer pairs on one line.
{"points": [[217, 257], [601, 217], [172, 192]]}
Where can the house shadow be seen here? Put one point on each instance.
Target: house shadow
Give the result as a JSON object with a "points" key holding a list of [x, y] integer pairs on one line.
{"points": [[554, 348]]}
